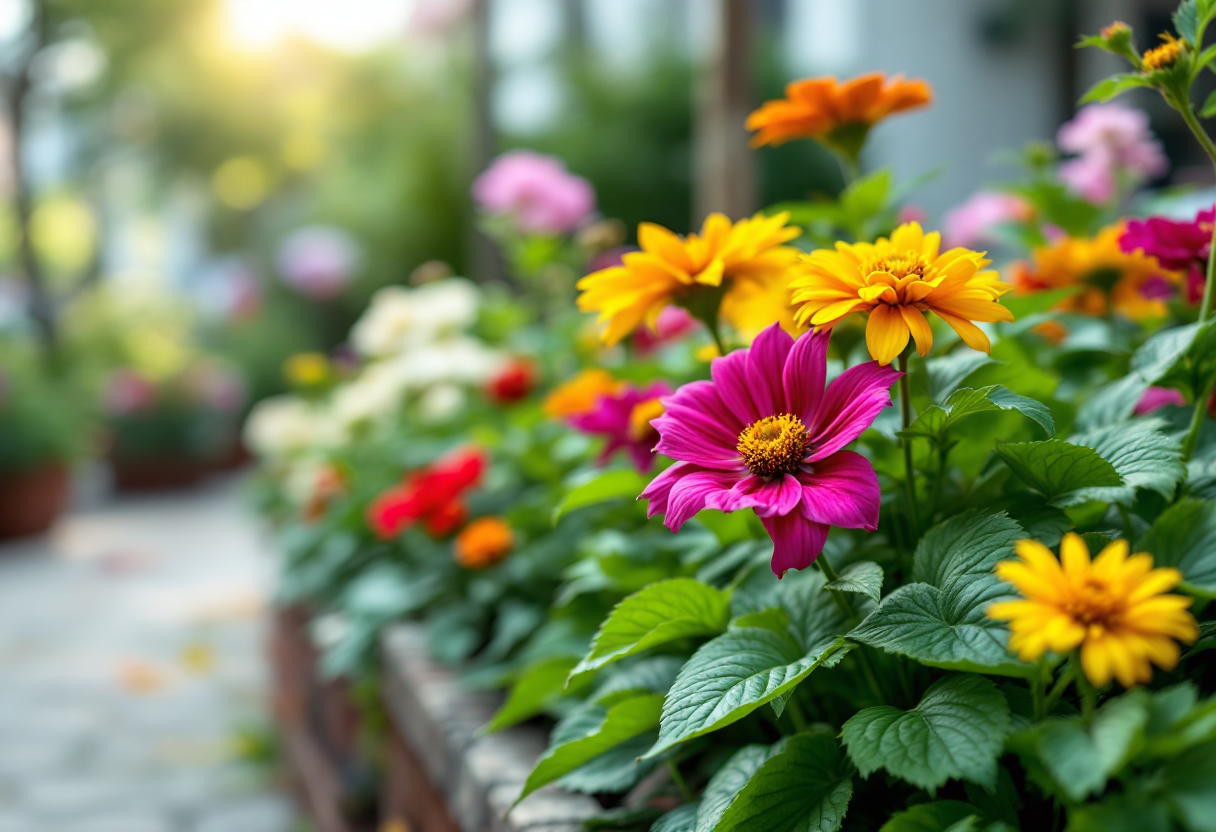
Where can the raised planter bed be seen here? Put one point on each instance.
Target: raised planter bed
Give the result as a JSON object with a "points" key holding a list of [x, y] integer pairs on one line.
{"points": [[441, 775]]}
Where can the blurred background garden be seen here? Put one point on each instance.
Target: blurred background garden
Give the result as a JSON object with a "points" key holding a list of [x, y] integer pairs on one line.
{"points": [[199, 199]]}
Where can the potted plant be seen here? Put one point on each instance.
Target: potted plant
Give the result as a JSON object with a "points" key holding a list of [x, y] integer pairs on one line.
{"points": [[43, 428]]}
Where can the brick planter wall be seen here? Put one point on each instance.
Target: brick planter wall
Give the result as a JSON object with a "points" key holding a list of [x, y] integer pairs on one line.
{"points": [[442, 776]]}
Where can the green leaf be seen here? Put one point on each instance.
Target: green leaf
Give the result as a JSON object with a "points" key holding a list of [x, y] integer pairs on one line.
{"points": [[533, 692], [940, 619], [683, 818], [805, 787], [814, 615], [616, 770], [1209, 105], [1141, 454], [1112, 87], [1186, 21], [1036, 303], [867, 196], [604, 486], [931, 817], [734, 674], [1121, 813], [722, 788], [1055, 468], [1184, 537], [864, 577], [947, 372], [623, 721], [936, 421], [1082, 758], [650, 675], [1189, 786], [662, 612], [956, 732]]}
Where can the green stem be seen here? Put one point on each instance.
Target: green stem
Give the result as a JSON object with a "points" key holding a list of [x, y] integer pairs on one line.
{"points": [[1188, 115], [1037, 689], [796, 713], [1057, 690], [678, 779], [715, 332], [854, 619], [1201, 403], [905, 409], [1089, 694]]}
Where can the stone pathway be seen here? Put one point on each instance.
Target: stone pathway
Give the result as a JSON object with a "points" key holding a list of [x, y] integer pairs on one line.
{"points": [[131, 665]]}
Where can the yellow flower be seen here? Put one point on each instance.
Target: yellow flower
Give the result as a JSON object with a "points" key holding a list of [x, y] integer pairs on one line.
{"points": [[306, 369], [897, 280], [579, 394], [1115, 609], [1165, 55], [640, 417], [825, 109], [1110, 279], [483, 543], [723, 264]]}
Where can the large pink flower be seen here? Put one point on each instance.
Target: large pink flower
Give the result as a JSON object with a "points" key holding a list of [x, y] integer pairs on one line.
{"points": [[765, 434], [624, 419], [537, 190], [1113, 142]]}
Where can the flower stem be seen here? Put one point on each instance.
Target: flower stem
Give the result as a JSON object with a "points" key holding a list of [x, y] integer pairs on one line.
{"points": [[1205, 141], [678, 779], [1089, 694], [905, 408], [854, 619], [716, 333], [1037, 689], [1192, 434], [796, 713], [1057, 690]]}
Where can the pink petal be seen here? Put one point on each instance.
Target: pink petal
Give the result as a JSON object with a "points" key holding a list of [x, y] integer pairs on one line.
{"points": [[733, 382], [682, 490], [842, 490], [796, 541], [805, 373], [691, 436], [767, 497], [766, 360], [850, 405]]}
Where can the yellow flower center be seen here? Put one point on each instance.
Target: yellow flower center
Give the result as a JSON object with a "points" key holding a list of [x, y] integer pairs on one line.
{"points": [[774, 445], [900, 265], [640, 418], [1165, 55], [1095, 604]]}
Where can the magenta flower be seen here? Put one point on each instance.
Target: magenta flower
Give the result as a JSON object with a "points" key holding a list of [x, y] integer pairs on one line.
{"points": [[624, 419], [538, 191], [1177, 246], [1114, 145], [971, 224], [1155, 398], [673, 323], [765, 434]]}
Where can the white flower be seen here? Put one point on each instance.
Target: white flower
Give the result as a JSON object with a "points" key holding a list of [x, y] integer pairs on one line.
{"points": [[463, 361], [285, 426], [373, 396], [399, 319], [441, 402]]}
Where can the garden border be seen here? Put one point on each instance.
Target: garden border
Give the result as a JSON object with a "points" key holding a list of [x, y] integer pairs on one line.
{"points": [[472, 779]]}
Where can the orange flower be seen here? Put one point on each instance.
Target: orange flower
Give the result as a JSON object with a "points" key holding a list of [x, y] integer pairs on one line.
{"points": [[483, 543], [1110, 279], [837, 114], [579, 394]]}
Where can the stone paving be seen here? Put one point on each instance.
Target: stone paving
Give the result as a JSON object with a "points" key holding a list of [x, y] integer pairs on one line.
{"points": [[131, 660]]}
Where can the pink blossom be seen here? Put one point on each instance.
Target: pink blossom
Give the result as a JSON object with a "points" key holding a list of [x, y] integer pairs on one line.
{"points": [[1113, 144], [1178, 246], [319, 261], [765, 434], [673, 323], [1155, 398], [538, 191], [971, 224], [127, 393], [614, 419]]}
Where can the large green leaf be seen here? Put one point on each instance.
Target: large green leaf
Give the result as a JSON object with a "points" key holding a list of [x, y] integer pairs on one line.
{"points": [[533, 692], [683, 818], [863, 577], [936, 421], [957, 731], [614, 771], [1189, 786], [946, 372], [734, 674], [1184, 537], [623, 721], [1055, 468], [662, 612], [1141, 454], [805, 787], [940, 816], [727, 781], [939, 620], [1080, 757], [602, 487]]}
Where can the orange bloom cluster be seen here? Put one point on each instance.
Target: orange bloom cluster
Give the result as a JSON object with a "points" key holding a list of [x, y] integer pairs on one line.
{"points": [[483, 543]]}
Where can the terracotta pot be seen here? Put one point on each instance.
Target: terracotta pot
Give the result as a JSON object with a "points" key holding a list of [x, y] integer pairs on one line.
{"points": [[157, 474], [31, 500]]}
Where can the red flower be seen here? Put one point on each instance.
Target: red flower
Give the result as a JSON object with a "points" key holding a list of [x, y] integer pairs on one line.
{"points": [[432, 496], [514, 383]]}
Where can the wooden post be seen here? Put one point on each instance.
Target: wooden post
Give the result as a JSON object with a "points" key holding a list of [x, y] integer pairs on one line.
{"points": [[725, 176]]}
